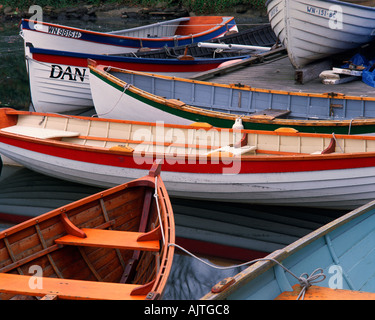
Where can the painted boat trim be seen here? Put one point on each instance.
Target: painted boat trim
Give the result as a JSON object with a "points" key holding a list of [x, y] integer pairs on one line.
{"points": [[216, 118], [226, 24]]}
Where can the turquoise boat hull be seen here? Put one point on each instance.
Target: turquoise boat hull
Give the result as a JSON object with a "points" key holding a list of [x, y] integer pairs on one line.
{"points": [[343, 249]]}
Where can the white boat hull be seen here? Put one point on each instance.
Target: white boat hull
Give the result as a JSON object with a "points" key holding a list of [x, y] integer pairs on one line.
{"points": [[50, 41], [123, 106], [313, 30], [336, 189], [58, 88], [154, 36]]}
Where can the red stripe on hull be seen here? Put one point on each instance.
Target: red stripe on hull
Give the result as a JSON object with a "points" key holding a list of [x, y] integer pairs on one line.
{"points": [[182, 164], [150, 67]]}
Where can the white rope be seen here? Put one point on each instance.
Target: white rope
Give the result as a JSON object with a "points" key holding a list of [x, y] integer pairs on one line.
{"points": [[304, 279], [350, 125], [334, 137], [117, 102], [157, 206]]}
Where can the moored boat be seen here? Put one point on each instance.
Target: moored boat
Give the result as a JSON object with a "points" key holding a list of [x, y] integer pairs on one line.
{"points": [[129, 95], [111, 245], [265, 167], [260, 36], [331, 263], [170, 33], [59, 80], [314, 30]]}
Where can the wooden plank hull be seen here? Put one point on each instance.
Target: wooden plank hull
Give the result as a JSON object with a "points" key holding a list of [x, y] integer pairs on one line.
{"points": [[124, 94], [103, 269], [341, 248], [274, 167], [188, 30], [314, 30], [59, 80]]}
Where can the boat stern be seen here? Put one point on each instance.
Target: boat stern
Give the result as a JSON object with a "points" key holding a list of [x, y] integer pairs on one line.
{"points": [[7, 119]]}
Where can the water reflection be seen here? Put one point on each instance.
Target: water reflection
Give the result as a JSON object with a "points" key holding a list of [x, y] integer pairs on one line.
{"points": [[192, 279]]}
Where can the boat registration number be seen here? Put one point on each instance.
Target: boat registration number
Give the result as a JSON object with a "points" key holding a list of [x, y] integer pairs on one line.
{"points": [[273, 11], [64, 32], [321, 12]]}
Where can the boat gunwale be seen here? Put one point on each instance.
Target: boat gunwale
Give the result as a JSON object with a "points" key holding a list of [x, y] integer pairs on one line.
{"points": [[244, 158], [225, 20]]}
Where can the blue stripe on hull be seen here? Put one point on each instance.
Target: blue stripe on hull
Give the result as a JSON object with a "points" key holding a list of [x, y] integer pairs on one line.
{"points": [[137, 43]]}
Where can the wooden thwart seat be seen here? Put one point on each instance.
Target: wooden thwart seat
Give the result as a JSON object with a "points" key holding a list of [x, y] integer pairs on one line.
{"points": [[41, 133], [323, 293], [113, 239], [67, 288]]}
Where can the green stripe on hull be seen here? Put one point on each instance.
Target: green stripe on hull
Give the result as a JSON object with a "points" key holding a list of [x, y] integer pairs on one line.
{"points": [[227, 123]]}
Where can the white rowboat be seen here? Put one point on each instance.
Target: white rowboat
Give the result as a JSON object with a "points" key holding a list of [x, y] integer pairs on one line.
{"points": [[315, 29]]}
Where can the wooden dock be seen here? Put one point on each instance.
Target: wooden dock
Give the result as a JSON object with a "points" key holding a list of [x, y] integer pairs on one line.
{"points": [[274, 71]]}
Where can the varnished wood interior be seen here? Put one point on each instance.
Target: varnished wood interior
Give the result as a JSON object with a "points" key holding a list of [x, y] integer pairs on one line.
{"points": [[130, 207]]}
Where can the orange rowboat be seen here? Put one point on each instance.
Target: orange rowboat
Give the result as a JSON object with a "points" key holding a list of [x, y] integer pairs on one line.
{"points": [[112, 245]]}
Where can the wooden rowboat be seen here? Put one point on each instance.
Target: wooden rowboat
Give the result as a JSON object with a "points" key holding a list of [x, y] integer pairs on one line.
{"points": [[200, 161], [170, 33], [341, 249], [111, 245], [312, 30], [129, 95], [59, 80], [260, 36]]}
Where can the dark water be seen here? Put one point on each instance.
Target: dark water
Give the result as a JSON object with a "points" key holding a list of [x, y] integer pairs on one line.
{"points": [[14, 88]]}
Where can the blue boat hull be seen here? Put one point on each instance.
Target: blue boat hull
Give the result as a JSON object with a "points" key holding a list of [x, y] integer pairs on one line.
{"points": [[343, 249]]}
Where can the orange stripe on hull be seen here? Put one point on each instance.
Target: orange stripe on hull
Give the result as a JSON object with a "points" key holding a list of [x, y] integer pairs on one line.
{"points": [[322, 293]]}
